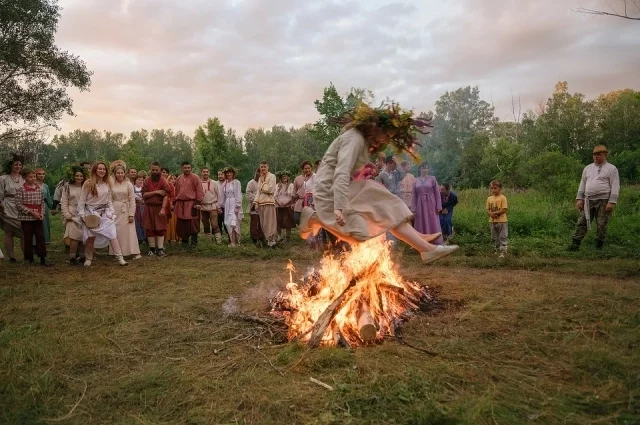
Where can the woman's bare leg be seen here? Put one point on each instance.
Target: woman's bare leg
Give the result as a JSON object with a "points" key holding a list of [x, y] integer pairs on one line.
{"points": [[73, 248], [89, 250], [115, 245], [412, 237], [117, 250]]}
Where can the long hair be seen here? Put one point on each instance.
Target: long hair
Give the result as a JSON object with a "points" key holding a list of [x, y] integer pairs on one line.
{"points": [[91, 183]]}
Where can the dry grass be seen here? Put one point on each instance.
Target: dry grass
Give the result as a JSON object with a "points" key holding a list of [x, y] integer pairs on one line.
{"points": [[149, 344]]}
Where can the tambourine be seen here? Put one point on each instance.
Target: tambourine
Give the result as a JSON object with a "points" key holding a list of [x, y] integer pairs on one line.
{"points": [[92, 220]]}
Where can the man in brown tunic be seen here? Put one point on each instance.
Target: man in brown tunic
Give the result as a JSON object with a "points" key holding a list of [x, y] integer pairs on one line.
{"points": [[155, 192], [189, 196]]}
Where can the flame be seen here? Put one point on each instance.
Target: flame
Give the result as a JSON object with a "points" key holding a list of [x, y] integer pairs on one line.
{"points": [[378, 290]]}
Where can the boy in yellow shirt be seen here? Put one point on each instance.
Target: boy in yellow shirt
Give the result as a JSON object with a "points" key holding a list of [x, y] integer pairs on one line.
{"points": [[497, 212]]}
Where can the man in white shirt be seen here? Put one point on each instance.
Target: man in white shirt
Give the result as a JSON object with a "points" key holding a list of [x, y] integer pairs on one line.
{"points": [[209, 206], [597, 196]]}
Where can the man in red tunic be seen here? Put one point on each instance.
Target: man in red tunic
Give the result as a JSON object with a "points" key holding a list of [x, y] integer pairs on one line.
{"points": [[189, 196], [155, 192]]}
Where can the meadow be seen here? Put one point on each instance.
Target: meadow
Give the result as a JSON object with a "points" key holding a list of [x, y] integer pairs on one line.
{"points": [[543, 336]]}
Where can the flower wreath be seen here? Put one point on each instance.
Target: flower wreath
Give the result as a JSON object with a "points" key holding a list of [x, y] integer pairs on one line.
{"points": [[399, 124]]}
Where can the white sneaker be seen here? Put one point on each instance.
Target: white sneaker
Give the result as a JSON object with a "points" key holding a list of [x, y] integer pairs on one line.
{"points": [[87, 262], [121, 260], [439, 252]]}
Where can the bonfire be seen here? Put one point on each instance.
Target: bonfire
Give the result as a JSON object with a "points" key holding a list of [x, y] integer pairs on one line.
{"points": [[351, 299]]}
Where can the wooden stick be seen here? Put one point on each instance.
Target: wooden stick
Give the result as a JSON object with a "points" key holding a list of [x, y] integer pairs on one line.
{"points": [[366, 325], [319, 328], [322, 384]]}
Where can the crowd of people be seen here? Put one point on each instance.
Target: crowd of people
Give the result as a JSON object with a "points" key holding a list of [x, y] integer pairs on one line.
{"points": [[342, 199], [109, 205]]}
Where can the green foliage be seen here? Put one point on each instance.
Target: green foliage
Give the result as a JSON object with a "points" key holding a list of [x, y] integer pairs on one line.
{"points": [[332, 107], [628, 164], [566, 124], [34, 72], [541, 222], [619, 120], [554, 174], [459, 115], [502, 159], [469, 147]]}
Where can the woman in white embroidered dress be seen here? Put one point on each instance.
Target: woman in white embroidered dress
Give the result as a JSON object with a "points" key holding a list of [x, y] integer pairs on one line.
{"points": [[231, 200], [96, 200], [124, 204]]}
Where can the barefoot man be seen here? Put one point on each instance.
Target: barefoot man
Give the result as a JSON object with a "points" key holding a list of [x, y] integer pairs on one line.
{"points": [[155, 193]]}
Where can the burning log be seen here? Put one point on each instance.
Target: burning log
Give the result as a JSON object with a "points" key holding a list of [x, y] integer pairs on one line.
{"points": [[339, 339], [320, 326], [350, 299], [366, 325]]}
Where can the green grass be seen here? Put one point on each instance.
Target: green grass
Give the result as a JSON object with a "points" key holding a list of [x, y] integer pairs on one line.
{"points": [[539, 338], [541, 226]]}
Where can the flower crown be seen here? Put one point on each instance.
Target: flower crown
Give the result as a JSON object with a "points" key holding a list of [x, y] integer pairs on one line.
{"points": [[118, 163], [399, 124], [73, 169], [281, 173]]}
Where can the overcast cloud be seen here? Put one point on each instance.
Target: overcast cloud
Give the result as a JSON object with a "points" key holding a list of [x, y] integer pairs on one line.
{"points": [[259, 63]]}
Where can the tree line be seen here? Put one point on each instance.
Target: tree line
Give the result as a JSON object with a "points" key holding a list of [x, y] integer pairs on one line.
{"points": [[469, 147]]}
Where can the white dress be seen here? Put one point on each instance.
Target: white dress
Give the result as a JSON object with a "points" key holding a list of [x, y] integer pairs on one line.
{"points": [[124, 204], [102, 206], [232, 199]]}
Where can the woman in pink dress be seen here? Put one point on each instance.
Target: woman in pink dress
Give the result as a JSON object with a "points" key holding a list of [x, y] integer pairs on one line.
{"points": [[426, 203]]}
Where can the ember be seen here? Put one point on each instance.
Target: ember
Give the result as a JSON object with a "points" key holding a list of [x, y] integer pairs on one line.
{"points": [[352, 299]]}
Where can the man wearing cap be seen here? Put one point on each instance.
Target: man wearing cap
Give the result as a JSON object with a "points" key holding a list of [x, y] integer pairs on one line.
{"points": [[597, 195]]}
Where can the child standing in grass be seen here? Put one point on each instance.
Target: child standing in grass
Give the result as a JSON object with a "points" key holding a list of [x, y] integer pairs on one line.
{"points": [[497, 211], [31, 209]]}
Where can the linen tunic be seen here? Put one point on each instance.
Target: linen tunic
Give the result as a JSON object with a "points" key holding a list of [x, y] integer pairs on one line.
{"points": [[101, 205], [8, 190], [252, 190], [406, 189], [188, 193], [301, 186], [284, 195], [124, 204], [69, 206], [210, 189], [369, 209]]}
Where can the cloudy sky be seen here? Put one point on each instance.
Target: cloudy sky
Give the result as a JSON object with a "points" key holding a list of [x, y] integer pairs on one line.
{"points": [[259, 63]]}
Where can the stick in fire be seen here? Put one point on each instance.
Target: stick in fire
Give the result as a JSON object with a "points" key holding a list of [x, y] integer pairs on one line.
{"points": [[320, 327]]}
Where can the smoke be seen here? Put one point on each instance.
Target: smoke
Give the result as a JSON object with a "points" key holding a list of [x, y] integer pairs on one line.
{"points": [[230, 306], [253, 300]]}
